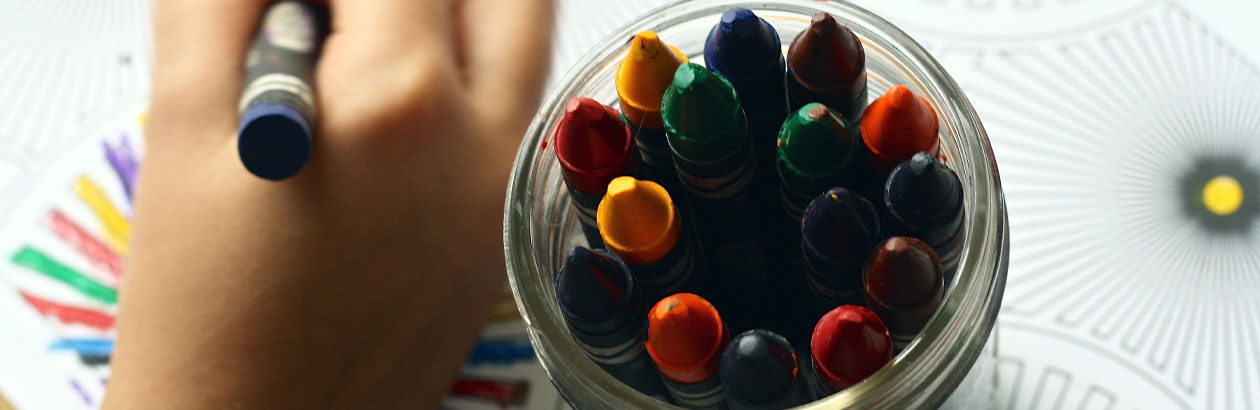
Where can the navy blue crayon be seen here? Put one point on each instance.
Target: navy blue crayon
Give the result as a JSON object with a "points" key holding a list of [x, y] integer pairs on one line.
{"points": [[924, 199], [839, 230], [745, 49], [277, 105], [760, 371], [604, 309]]}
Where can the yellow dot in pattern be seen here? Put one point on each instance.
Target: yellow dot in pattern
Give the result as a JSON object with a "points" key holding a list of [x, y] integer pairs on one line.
{"points": [[1222, 195]]}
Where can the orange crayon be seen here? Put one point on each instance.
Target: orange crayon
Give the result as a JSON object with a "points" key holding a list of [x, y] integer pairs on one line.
{"points": [[895, 127], [686, 338]]}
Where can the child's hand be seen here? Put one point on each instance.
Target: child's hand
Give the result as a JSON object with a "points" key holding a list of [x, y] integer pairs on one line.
{"points": [[362, 281]]}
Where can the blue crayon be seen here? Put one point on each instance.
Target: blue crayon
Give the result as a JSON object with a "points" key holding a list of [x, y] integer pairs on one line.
{"points": [[604, 309], [745, 49], [760, 371], [924, 199], [500, 352], [839, 230], [277, 105]]}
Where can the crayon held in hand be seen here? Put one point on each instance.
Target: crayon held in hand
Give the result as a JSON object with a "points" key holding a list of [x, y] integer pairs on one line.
{"points": [[759, 372], [745, 49], [642, 78], [277, 105], [686, 337], [904, 285], [895, 127], [850, 343], [924, 199], [640, 224], [826, 63], [837, 234], [817, 151], [593, 147], [604, 309]]}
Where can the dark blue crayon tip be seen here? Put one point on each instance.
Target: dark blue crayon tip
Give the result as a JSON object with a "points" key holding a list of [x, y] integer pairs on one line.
{"points": [[841, 225], [274, 141], [742, 46], [760, 367], [924, 193], [596, 291]]}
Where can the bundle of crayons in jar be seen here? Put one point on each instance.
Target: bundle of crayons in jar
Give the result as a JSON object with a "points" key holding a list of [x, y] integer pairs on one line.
{"points": [[759, 235]]}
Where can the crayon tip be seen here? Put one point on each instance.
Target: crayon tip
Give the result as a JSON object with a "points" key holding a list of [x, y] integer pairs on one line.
{"points": [[849, 343], [899, 124], [274, 141], [903, 274], [595, 291], [643, 76], [923, 192], [637, 220], [593, 146], [841, 225], [685, 337], [827, 57], [742, 45], [816, 141], [758, 367], [702, 114]]}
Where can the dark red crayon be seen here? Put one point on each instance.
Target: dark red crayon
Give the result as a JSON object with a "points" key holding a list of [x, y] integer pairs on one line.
{"points": [[904, 284], [826, 64], [850, 343], [593, 146]]}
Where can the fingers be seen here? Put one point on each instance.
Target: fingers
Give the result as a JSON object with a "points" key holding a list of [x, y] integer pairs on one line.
{"points": [[199, 50], [506, 47], [403, 26]]}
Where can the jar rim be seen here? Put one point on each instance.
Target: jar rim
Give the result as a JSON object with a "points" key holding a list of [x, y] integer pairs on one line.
{"points": [[950, 342]]}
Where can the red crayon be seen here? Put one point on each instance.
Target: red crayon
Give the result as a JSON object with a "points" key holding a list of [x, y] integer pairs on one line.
{"points": [[593, 146], [70, 314], [850, 343]]}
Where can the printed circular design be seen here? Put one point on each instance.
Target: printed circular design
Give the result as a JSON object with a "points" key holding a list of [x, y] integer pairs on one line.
{"points": [[992, 21], [1106, 140]]}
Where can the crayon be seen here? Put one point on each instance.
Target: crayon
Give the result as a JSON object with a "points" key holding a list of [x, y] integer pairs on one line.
{"points": [[924, 199], [686, 337], [641, 80], [745, 49], [839, 230], [38, 261], [849, 343], [714, 157], [117, 229], [759, 372], [817, 151], [277, 105], [70, 314], [903, 284], [593, 146], [604, 309], [505, 393], [895, 127], [826, 63], [640, 224], [500, 352]]}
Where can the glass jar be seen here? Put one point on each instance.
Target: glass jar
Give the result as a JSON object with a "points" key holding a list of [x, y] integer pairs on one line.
{"points": [[951, 364]]}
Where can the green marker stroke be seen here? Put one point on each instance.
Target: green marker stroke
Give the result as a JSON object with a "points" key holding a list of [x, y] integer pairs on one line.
{"points": [[39, 262]]}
